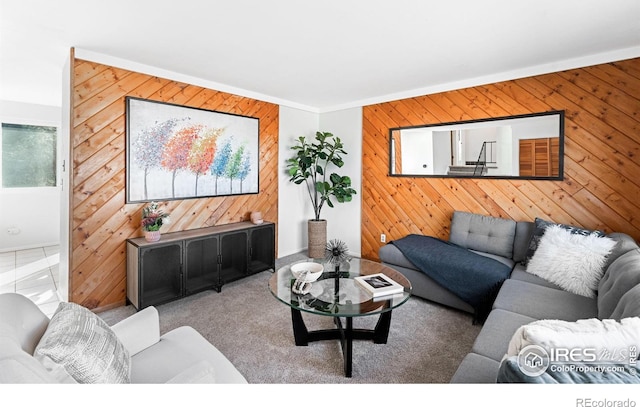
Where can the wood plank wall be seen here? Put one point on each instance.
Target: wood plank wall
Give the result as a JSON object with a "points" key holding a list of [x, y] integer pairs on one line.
{"points": [[101, 221], [601, 188]]}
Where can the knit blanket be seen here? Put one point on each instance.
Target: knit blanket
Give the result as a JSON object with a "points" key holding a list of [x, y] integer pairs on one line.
{"points": [[474, 278]]}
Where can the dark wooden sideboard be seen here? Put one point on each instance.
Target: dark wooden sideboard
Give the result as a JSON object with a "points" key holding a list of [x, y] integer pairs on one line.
{"points": [[187, 262]]}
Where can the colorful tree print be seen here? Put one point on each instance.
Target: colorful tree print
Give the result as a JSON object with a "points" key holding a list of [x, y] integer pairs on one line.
{"points": [[148, 147], [202, 152], [220, 161], [245, 168], [234, 166], [175, 155]]}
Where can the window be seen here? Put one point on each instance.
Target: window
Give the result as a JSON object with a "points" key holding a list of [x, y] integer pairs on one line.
{"points": [[28, 156]]}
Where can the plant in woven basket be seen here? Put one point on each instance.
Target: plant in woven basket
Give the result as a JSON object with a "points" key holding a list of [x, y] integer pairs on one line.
{"points": [[310, 165]]}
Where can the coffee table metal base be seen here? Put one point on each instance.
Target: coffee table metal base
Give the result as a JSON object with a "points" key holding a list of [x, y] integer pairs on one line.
{"points": [[344, 332]]}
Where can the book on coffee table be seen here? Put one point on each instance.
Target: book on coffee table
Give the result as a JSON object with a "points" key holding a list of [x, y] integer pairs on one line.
{"points": [[379, 284]]}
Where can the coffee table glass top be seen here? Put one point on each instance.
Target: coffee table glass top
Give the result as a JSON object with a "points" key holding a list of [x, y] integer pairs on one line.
{"points": [[338, 294]]}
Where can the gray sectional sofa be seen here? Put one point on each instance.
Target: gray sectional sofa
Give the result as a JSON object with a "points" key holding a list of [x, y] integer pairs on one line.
{"points": [[523, 298]]}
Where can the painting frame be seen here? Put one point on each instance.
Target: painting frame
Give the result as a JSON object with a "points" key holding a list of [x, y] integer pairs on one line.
{"points": [[176, 152]]}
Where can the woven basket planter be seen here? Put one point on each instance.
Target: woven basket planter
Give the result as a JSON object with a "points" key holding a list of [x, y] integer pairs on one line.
{"points": [[317, 238]]}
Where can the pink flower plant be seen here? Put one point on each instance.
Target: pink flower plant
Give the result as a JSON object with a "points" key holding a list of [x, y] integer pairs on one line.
{"points": [[153, 217]]}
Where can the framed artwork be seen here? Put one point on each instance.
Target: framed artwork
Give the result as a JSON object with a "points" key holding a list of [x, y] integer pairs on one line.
{"points": [[180, 152]]}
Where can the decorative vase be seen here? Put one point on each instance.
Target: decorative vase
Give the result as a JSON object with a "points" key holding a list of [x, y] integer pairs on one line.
{"points": [[152, 235], [256, 218], [317, 230]]}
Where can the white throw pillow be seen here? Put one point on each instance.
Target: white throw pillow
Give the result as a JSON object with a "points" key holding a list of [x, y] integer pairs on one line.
{"points": [[81, 344], [572, 261], [607, 338]]}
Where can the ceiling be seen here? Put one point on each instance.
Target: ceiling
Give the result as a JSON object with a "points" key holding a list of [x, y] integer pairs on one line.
{"points": [[319, 56]]}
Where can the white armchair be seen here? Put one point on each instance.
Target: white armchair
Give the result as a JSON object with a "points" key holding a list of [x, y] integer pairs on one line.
{"points": [[179, 356]]}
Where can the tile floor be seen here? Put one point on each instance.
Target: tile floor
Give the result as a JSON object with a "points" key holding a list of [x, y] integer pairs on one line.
{"points": [[33, 273]]}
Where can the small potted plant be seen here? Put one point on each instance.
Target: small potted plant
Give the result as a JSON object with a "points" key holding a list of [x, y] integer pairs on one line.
{"points": [[152, 220], [311, 165]]}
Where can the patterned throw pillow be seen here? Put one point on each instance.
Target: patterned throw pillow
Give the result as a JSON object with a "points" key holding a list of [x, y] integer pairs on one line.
{"points": [[542, 224], [84, 346]]}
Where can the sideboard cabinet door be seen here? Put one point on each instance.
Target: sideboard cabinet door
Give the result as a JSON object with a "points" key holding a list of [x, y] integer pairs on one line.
{"points": [[201, 271], [233, 256], [160, 274], [262, 250]]}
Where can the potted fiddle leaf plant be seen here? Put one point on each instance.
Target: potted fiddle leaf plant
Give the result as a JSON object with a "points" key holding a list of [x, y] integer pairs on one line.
{"points": [[311, 165]]}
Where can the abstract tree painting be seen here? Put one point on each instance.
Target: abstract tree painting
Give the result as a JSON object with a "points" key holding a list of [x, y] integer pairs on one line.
{"points": [[179, 152]]}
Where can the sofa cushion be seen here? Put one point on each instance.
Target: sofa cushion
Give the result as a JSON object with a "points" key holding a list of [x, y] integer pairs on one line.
{"points": [[476, 368], [624, 244], [497, 332], [574, 262], [540, 302], [524, 231], [520, 273], [504, 260], [621, 276], [17, 366], [391, 254], [629, 305], [181, 349], [81, 344], [483, 233], [540, 227]]}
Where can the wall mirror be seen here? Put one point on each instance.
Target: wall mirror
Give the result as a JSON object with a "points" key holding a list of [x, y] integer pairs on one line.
{"points": [[527, 146]]}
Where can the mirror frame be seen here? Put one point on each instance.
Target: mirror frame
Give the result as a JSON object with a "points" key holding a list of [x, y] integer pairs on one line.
{"points": [[560, 176]]}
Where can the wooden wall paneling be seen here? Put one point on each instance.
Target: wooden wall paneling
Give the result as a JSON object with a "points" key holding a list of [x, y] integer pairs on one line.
{"points": [[101, 221], [601, 189]]}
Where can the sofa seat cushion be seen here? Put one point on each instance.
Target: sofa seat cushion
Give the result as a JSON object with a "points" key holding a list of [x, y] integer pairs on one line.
{"points": [[504, 260], [17, 366], [496, 333], [520, 273], [390, 254], [540, 302], [179, 350], [476, 368], [483, 233], [80, 344]]}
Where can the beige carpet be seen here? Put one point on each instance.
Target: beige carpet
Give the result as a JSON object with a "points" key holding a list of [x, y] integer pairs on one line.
{"points": [[426, 341]]}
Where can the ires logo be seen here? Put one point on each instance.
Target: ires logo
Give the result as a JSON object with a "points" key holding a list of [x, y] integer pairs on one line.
{"points": [[534, 360]]}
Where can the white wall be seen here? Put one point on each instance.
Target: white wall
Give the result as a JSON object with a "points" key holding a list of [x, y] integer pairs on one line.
{"points": [[65, 181], [294, 206], [35, 212], [344, 220]]}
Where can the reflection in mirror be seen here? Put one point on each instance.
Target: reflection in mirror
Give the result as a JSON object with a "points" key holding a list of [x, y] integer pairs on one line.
{"points": [[525, 146]]}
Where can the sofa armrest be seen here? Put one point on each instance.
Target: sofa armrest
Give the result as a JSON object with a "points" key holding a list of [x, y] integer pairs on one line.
{"points": [[139, 331]]}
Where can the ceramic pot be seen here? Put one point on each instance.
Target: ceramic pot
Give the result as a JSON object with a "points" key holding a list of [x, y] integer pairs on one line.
{"points": [[317, 230], [152, 235], [256, 218]]}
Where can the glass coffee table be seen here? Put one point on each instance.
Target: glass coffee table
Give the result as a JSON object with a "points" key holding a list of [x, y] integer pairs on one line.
{"points": [[336, 294]]}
